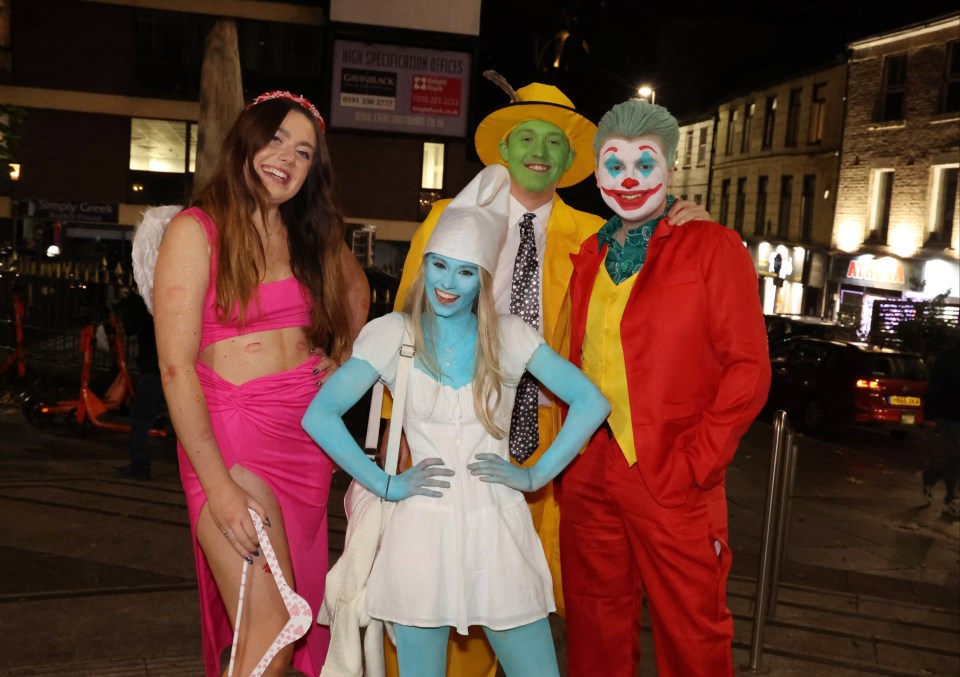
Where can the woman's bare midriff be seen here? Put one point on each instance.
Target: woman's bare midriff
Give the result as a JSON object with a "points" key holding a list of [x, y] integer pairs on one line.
{"points": [[261, 353]]}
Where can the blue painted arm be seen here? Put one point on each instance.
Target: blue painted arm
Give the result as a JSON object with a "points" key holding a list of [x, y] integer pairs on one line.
{"points": [[588, 409], [324, 423]]}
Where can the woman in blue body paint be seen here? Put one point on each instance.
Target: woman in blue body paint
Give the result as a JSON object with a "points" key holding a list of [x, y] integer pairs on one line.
{"points": [[460, 548]]}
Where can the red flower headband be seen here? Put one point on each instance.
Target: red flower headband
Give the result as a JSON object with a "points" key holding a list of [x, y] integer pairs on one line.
{"points": [[282, 94]]}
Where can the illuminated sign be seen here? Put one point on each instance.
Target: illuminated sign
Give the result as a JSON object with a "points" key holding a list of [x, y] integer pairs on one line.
{"points": [[885, 270]]}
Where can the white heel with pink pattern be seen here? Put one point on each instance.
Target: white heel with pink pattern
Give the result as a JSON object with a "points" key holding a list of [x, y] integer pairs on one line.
{"points": [[301, 616]]}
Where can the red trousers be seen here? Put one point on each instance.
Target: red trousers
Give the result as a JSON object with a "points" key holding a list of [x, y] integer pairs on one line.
{"points": [[618, 545]]}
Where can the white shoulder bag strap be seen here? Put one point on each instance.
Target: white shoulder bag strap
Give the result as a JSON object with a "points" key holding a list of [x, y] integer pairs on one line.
{"points": [[399, 400]]}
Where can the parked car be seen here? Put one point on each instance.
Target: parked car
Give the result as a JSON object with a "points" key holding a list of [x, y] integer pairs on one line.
{"points": [[782, 327], [819, 382]]}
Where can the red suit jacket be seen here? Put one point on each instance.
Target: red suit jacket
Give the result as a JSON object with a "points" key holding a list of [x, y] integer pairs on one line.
{"points": [[695, 348]]}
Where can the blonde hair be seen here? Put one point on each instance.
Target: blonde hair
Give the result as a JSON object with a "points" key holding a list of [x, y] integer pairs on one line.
{"points": [[487, 376]]}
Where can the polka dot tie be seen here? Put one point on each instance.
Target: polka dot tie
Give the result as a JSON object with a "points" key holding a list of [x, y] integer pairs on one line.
{"points": [[525, 304]]}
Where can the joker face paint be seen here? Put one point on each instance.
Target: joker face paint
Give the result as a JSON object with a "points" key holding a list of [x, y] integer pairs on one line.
{"points": [[451, 285], [632, 175]]}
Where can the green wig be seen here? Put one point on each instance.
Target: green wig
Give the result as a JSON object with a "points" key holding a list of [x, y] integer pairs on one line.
{"points": [[636, 117]]}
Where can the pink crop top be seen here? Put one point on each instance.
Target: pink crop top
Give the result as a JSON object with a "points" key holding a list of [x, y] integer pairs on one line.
{"points": [[275, 305]]}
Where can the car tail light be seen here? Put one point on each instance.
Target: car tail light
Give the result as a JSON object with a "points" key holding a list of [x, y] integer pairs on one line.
{"points": [[868, 384]]}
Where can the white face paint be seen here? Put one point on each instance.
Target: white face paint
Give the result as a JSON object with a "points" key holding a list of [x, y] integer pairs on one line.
{"points": [[632, 175]]}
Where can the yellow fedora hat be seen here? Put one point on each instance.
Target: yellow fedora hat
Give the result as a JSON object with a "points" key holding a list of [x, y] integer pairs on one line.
{"points": [[540, 102]]}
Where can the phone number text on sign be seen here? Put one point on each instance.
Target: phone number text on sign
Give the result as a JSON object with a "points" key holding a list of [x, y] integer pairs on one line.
{"points": [[435, 96]]}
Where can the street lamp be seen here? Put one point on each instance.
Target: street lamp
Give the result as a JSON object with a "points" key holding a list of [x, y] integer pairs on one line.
{"points": [[647, 92]]}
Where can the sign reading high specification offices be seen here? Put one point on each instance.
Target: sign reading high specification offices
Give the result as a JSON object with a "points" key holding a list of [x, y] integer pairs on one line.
{"points": [[399, 89]]}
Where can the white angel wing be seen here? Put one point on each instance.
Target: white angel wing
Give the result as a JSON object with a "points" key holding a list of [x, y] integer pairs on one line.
{"points": [[146, 246]]}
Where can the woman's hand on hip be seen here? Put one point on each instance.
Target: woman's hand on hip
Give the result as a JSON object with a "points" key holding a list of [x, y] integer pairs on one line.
{"points": [[493, 468]]}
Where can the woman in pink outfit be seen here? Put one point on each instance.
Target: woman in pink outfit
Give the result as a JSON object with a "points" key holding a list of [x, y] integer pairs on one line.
{"points": [[256, 300]]}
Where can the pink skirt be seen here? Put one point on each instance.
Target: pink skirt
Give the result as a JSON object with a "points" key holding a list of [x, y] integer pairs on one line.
{"points": [[257, 425]]}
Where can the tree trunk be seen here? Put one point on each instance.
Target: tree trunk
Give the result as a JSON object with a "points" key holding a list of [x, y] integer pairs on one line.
{"points": [[221, 96]]}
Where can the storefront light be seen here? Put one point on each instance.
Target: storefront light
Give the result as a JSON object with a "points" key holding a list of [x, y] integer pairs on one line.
{"points": [[849, 235], [904, 239], [941, 277]]}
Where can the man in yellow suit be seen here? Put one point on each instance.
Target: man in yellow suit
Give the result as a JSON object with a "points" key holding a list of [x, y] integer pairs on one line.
{"points": [[545, 144]]}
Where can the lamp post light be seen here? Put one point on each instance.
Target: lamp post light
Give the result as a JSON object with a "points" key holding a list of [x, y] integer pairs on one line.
{"points": [[647, 92]]}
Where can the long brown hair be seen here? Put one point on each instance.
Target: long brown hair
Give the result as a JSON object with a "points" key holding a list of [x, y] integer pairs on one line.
{"points": [[314, 226]]}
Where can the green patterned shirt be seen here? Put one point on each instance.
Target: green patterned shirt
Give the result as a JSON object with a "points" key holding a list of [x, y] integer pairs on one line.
{"points": [[625, 260]]}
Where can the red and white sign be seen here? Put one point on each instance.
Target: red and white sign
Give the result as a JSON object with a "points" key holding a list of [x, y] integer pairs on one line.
{"points": [[876, 270], [435, 96]]}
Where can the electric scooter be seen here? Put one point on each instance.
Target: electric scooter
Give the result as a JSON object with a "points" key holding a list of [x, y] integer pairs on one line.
{"points": [[88, 408]]}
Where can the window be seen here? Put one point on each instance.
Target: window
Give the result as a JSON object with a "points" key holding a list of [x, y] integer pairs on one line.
{"points": [[724, 201], [688, 149], [793, 118], [818, 113], [881, 192], [731, 130], [748, 111], [702, 148], [168, 146], [698, 198], [769, 120], [760, 224], [807, 202], [894, 87], [741, 205], [951, 84], [786, 204], [944, 204], [432, 174], [431, 177]]}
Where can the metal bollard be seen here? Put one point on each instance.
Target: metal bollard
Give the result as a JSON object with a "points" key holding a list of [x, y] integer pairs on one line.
{"points": [[784, 513], [779, 486]]}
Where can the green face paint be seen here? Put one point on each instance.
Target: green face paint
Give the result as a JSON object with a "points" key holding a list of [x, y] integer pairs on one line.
{"points": [[537, 154]]}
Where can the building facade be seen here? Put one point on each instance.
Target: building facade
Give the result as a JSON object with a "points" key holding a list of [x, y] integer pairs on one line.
{"points": [[691, 176], [774, 180], [896, 223], [109, 94]]}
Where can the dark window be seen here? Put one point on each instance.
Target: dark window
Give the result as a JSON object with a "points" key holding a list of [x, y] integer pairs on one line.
{"points": [[818, 113], [748, 111], [945, 206], [786, 204], [793, 118], [880, 223], [741, 205], [698, 198], [168, 53], [688, 149], [731, 131], [807, 202], [769, 121], [951, 85], [759, 226], [724, 201], [702, 148], [894, 87]]}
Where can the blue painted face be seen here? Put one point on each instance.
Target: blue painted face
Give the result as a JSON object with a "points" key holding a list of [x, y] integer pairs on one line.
{"points": [[451, 285]]}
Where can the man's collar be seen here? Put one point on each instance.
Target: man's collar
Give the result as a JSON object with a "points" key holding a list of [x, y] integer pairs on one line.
{"points": [[542, 212]]}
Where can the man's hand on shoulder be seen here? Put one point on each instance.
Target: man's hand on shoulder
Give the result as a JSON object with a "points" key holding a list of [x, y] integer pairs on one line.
{"points": [[683, 211]]}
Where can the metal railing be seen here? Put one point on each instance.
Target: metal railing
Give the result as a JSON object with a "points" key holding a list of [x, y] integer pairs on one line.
{"points": [[776, 520]]}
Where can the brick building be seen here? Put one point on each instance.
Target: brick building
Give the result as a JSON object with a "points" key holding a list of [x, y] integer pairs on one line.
{"points": [[774, 180], [691, 177], [896, 223]]}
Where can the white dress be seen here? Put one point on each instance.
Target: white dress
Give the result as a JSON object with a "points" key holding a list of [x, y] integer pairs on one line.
{"points": [[471, 557]]}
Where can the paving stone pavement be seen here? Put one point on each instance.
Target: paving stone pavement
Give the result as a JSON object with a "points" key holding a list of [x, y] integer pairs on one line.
{"points": [[98, 575]]}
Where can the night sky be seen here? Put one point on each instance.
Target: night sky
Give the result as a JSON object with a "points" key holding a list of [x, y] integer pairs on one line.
{"points": [[694, 53]]}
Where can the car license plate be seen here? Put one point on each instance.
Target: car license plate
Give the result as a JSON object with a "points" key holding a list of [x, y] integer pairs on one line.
{"points": [[908, 419], [905, 401]]}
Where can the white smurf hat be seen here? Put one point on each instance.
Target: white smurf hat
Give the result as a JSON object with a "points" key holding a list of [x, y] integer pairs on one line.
{"points": [[473, 225]]}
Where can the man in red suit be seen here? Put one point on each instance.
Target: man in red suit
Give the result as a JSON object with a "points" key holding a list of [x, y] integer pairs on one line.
{"points": [[667, 322]]}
